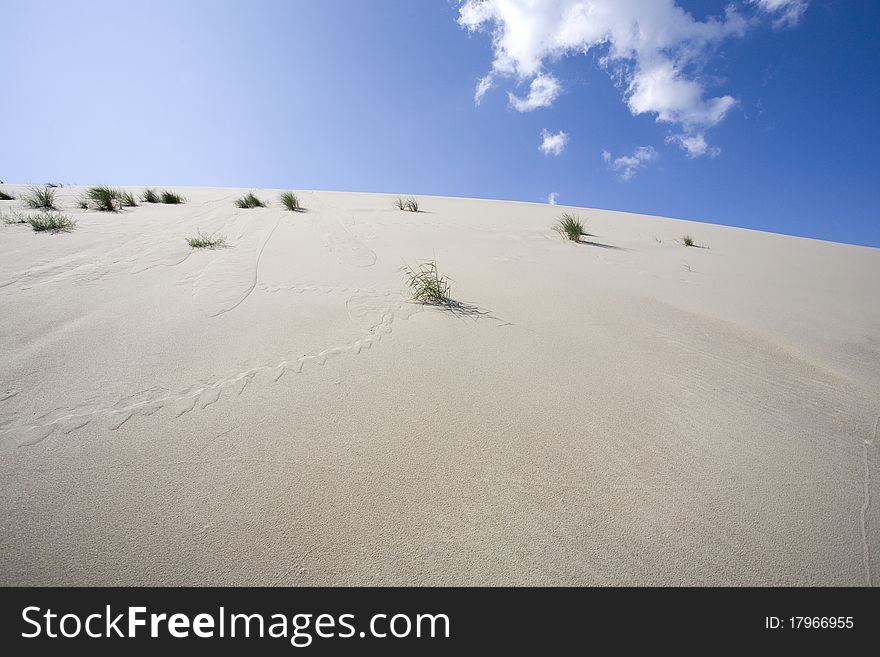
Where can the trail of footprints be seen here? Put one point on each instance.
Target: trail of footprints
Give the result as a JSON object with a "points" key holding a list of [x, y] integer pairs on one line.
{"points": [[220, 287], [373, 311]]}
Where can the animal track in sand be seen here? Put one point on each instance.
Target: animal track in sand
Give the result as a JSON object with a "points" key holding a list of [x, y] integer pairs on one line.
{"points": [[331, 222], [348, 249], [372, 311]]}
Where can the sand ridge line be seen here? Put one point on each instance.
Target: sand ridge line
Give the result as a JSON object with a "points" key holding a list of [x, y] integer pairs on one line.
{"points": [[866, 552], [132, 258], [140, 254], [228, 280]]}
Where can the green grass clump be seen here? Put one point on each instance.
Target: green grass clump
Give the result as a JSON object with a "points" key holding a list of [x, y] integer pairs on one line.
{"points": [[6, 197], [150, 196], [570, 227], [408, 204], [40, 198], [206, 241], [15, 218], [103, 198], [290, 201], [171, 198], [52, 222], [127, 200], [426, 284], [249, 201]]}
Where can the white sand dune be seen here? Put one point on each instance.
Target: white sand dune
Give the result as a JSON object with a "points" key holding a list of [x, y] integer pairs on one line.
{"points": [[622, 411]]}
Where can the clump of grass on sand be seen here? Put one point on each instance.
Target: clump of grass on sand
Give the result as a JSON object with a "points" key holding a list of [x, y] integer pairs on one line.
{"points": [[171, 198], [426, 284], [52, 222], [103, 198], [290, 201], [206, 241], [6, 197], [249, 201], [82, 203], [408, 204], [15, 218], [150, 196], [687, 240], [40, 198], [127, 200], [570, 227]]}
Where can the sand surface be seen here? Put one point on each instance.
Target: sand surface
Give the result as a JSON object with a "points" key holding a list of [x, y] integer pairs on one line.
{"points": [[622, 411]]}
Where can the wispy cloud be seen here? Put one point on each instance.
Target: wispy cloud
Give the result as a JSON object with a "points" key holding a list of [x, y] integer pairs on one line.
{"points": [[654, 49], [552, 198], [542, 92], [483, 85], [787, 13], [627, 166], [553, 143]]}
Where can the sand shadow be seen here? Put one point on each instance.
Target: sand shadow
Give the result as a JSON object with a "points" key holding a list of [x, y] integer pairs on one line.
{"points": [[600, 245], [465, 310]]}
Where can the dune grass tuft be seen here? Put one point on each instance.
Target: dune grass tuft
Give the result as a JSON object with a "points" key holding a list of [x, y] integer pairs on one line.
{"points": [[426, 284], [687, 240], [570, 227], [6, 197], [82, 203], [150, 196], [290, 201], [52, 222], [127, 200], [15, 218], [206, 241], [40, 198], [171, 198], [103, 198], [408, 204], [250, 201]]}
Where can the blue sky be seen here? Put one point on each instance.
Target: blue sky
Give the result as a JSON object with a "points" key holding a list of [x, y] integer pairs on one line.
{"points": [[767, 114]]}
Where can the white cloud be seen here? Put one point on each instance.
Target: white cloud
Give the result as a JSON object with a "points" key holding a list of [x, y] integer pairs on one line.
{"points": [[788, 12], [694, 145], [662, 89], [483, 85], [553, 144], [552, 198], [654, 49], [627, 166], [542, 92]]}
